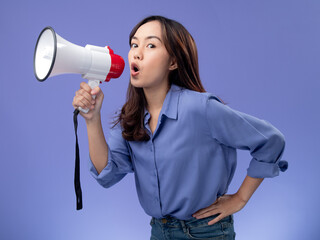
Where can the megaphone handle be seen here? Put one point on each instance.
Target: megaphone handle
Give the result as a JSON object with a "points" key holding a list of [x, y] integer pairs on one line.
{"points": [[92, 84]]}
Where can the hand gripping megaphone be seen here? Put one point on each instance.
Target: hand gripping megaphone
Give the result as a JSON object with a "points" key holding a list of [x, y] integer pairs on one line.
{"points": [[54, 56]]}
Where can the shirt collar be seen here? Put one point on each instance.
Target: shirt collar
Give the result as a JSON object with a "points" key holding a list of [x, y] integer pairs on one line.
{"points": [[170, 104]]}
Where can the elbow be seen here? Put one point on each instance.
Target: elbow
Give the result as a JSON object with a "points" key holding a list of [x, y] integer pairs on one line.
{"points": [[280, 141], [282, 164], [112, 180], [267, 162], [105, 184], [277, 145]]}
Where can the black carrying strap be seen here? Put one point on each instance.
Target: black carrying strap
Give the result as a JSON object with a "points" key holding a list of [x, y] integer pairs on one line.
{"points": [[77, 186]]}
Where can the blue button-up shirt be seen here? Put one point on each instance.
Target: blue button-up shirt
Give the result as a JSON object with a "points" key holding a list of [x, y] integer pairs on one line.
{"points": [[190, 158]]}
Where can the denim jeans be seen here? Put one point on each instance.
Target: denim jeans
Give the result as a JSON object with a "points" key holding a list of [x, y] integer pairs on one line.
{"points": [[171, 228]]}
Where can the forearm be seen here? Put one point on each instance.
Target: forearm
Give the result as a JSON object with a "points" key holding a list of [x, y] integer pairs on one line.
{"points": [[248, 187], [98, 147], [229, 204]]}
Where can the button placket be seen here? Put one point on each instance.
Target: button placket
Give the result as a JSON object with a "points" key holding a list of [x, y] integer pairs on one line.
{"points": [[156, 174]]}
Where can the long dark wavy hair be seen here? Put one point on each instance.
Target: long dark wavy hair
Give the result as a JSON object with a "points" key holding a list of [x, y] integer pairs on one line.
{"points": [[181, 47]]}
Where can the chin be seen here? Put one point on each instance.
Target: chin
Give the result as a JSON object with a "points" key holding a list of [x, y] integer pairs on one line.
{"points": [[138, 83]]}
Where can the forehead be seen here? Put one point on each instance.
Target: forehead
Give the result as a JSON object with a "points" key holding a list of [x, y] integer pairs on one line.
{"points": [[152, 28]]}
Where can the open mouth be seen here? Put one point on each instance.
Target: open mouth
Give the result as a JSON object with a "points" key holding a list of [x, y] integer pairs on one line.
{"points": [[134, 69]]}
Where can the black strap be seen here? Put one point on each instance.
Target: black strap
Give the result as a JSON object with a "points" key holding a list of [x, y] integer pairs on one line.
{"points": [[77, 186]]}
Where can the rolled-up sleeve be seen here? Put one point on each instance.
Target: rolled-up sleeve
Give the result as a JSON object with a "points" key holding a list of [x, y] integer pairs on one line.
{"points": [[242, 131], [119, 161]]}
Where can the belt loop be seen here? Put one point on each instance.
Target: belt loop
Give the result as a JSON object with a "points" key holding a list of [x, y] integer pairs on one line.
{"points": [[184, 227]]}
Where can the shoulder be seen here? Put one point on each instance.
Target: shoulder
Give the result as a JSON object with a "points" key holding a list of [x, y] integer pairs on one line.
{"points": [[115, 132], [196, 100]]}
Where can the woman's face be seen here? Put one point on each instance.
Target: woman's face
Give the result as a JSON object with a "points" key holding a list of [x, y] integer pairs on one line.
{"points": [[149, 60]]}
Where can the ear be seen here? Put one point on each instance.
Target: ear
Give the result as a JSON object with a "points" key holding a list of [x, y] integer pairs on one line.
{"points": [[173, 65]]}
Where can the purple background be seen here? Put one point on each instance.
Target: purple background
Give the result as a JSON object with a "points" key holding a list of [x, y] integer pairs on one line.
{"points": [[261, 57]]}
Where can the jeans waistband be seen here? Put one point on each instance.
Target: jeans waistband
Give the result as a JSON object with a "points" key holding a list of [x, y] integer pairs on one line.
{"points": [[174, 222]]}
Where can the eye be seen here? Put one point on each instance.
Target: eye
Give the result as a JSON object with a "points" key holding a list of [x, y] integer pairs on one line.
{"points": [[150, 45], [134, 45]]}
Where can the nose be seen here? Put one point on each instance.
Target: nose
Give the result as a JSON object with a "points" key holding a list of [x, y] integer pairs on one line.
{"points": [[137, 54]]}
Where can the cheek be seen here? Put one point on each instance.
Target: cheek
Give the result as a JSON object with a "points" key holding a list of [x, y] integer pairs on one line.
{"points": [[161, 61], [129, 55]]}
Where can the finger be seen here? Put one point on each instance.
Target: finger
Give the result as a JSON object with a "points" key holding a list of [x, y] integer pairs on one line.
{"points": [[208, 214], [84, 93], [85, 86], [82, 102], [211, 207], [204, 210], [217, 219], [74, 102], [85, 101]]}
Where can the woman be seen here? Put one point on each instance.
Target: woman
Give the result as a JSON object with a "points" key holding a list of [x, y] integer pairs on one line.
{"points": [[178, 140]]}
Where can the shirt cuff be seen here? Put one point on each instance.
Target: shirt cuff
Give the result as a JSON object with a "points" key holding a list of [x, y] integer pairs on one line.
{"points": [[266, 170]]}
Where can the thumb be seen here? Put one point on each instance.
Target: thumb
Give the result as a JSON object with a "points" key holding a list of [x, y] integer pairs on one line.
{"points": [[95, 91]]}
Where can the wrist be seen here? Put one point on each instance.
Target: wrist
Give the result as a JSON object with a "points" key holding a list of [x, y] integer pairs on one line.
{"points": [[248, 187], [93, 120], [242, 197]]}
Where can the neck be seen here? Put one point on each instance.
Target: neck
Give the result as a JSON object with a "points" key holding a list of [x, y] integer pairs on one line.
{"points": [[155, 96]]}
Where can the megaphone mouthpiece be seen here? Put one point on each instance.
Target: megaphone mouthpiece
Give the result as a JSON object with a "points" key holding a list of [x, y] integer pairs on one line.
{"points": [[104, 64], [117, 67]]}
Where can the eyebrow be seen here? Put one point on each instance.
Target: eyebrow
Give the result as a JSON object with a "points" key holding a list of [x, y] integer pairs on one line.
{"points": [[149, 37]]}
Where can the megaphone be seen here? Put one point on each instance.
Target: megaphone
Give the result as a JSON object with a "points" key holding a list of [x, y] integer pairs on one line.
{"points": [[54, 56]]}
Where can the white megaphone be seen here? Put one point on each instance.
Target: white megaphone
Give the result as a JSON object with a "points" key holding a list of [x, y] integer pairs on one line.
{"points": [[54, 56]]}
